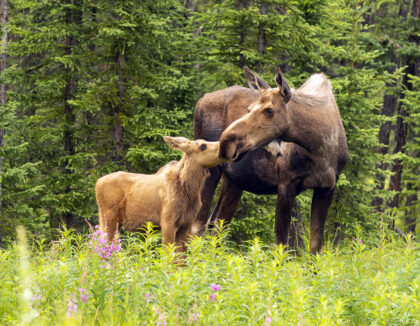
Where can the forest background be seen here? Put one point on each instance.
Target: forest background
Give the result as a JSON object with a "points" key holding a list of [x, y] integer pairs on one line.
{"points": [[89, 87]]}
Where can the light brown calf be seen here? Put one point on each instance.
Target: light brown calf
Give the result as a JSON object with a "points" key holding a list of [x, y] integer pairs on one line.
{"points": [[169, 198]]}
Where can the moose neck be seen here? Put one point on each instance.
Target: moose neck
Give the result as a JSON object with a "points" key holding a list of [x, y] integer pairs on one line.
{"points": [[309, 127], [191, 176]]}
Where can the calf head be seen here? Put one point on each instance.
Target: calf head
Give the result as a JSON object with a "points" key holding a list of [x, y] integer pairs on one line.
{"points": [[267, 118], [204, 153]]}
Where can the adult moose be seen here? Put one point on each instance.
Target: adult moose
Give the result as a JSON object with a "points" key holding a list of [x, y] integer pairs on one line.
{"points": [[282, 141]]}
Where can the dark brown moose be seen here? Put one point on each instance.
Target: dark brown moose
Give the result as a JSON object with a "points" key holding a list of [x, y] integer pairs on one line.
{"points": [[169, 198], [282, 141]]}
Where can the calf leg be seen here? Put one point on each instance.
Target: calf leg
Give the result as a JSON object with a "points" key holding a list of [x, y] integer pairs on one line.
{"points": [[206, 199], [108, 223], [285, 199], [181, 238], [168, 233], [227, 203], [321, 201]]}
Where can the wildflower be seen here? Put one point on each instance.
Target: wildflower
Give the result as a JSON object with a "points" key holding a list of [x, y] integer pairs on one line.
{"points": [[107, 251], [213, 297], [161, 316], [71, 307], [360, 241], [84, 295], [36, 298], [147, 297], [162, 320], [195, 316], [268, 320], [215, 287]]}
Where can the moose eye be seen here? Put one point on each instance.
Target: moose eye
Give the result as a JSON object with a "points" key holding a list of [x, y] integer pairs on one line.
{"points": [[269, 112], [203, 147]]}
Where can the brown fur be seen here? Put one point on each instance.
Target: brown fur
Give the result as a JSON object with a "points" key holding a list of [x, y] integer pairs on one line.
{"points": [[312, 151], [170, 198]]}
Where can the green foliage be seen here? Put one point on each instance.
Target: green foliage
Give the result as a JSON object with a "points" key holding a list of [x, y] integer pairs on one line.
{"points": [[411, 157], [354, 284]]}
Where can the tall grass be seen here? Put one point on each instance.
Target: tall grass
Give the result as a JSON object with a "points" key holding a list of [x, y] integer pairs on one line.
{"points": [[69, 283]]}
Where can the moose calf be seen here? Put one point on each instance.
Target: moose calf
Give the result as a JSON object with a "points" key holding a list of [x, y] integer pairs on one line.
{"points": [[169, 198]]}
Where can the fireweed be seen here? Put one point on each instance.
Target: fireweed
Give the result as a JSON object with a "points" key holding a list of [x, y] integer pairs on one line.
{"points": [[84, 295], [36, 299], [107, 251], [71, 308], [354, 284]]}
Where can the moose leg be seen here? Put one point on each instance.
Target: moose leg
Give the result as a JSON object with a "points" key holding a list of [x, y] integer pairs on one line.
{"points": [[181, 238], [321, 201], [207, 194], [227, 203], [285, 199], [168, 233], [108, 223]]}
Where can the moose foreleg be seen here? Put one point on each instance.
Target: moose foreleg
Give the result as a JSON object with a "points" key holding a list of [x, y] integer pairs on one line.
{"points": [[285, 199], [321, 201], [207, 194], [168, 233], [182, 237], [227, 202]]}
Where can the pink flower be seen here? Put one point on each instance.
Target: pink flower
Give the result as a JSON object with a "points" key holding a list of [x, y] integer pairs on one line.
{"points": [[71, 307], [268, 320], [195, 316], [213, 297], [107, 251], [84, 295], [147, 297], [35, 298], [215, 287]]}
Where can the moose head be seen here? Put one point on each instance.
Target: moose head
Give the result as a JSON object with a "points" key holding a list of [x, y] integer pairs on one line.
{"points": [[268, 118]]}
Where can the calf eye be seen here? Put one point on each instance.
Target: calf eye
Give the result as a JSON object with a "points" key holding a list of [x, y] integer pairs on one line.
{"points": [[203, 147], [269, 112]]}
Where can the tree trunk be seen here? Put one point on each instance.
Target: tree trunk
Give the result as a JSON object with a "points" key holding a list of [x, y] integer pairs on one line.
{"points": [[189, 4], [401, 126], [3, 21], [261, 36], [69, 118], [388, 110], [411, 212], [117, 109], [242, 30]]}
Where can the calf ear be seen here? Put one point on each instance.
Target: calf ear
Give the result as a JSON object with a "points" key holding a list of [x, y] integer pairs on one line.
{"points": [[177, 143], [254, 81], [283, 85]]}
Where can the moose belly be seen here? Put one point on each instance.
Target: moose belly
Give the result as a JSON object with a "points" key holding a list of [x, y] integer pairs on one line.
{"points": [[255, 172]]}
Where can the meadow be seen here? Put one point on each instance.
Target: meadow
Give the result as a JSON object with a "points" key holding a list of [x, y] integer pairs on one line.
{"points": [[83, 280]]}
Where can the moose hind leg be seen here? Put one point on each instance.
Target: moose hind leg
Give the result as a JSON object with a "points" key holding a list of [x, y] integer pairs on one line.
{"points": [[108, 223], [321, 201]]}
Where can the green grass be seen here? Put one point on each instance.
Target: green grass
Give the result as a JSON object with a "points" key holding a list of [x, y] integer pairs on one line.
{"points": [[353, 284]]}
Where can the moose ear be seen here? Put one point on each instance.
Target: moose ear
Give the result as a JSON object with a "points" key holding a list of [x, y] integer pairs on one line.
{"points": [[283, 86], [177, 143], [254, 81]]}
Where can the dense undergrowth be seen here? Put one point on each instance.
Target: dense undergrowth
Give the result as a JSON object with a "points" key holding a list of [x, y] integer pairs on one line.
{"points": [[82, 280]]}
